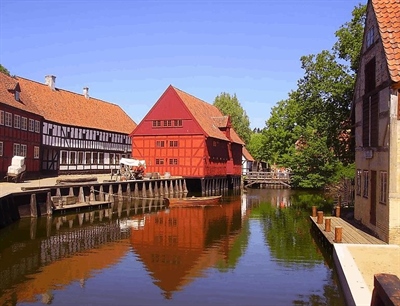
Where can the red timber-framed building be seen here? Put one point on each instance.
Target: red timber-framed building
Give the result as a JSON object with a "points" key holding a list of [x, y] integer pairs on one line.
{"points": [[20, 126], [77, 133], [185, 136]]}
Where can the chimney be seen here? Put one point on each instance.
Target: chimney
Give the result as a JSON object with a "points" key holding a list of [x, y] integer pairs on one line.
{"points": [[50, 80], [86, 92]]}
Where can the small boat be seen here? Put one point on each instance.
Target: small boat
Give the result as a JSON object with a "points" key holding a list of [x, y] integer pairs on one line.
{"points": [[192, 201]]}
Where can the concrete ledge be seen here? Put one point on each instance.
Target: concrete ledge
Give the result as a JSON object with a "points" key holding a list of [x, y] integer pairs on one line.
{"points": [[355, 289]]}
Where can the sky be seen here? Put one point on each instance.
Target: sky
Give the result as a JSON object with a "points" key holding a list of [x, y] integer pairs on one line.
{"points": [[129, 51]]}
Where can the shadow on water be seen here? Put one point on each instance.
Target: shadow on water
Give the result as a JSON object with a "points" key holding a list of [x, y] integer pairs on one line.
{"points": [[255, 248]]}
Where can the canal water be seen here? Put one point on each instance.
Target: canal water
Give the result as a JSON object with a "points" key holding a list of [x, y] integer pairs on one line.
{"points": [[256, 248]]}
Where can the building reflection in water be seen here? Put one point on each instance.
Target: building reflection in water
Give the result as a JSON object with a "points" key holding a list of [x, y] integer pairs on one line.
{"points": [[180, 244], [40, 255]]}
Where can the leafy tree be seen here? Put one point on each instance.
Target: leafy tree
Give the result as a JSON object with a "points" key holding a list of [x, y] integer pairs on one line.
{"points": [[255, 145], [4, 70], [350, 36], [230, 105]]}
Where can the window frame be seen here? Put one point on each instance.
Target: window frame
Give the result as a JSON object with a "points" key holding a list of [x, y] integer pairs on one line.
{"points": [[383, 187]]}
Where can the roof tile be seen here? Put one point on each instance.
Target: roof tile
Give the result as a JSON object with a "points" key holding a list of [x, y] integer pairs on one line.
{"points": [[388, 16], [208, 116], [74, 109]]}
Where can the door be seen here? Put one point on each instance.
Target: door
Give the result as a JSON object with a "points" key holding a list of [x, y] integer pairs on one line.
{"points": [[372, 212]]}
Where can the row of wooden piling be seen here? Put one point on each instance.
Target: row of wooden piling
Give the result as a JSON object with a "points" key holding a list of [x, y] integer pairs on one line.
{"points": [[320, 220]]}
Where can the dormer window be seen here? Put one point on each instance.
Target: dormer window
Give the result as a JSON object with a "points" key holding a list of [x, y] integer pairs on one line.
{"points": [[370, 37], [16, 95]]}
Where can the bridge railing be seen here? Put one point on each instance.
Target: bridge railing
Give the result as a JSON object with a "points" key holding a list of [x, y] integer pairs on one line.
{"points": [[261, 175]]}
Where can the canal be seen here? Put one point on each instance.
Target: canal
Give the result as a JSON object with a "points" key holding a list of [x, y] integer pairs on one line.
{"points": [[256, 248]]}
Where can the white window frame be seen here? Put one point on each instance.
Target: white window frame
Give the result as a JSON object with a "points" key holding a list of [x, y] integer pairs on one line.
{"points": [[8, 119], [17, 121], [1, 148], [63, 157], [36, 151], [24, 150], [1, 117], [16, 149], [24, 123], [31, 125], [37, 126]]}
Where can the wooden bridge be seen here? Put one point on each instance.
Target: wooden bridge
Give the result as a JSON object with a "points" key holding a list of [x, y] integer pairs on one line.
{"points": [[268, 179]]}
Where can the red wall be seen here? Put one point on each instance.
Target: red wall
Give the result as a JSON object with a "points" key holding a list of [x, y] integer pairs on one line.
{"points": [[11, 135]]}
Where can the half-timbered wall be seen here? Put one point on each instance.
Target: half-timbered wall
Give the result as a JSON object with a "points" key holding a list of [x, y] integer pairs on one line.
{"points": [[75, 149], [19, 135]]}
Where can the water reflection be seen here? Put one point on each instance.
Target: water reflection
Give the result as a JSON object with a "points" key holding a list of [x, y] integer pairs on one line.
{"points": [[178, 245], [254, 249]]}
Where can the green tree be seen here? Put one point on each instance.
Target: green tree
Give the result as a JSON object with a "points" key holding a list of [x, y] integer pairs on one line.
{"points": [[255, 145], [4, 70], [230, 105]]}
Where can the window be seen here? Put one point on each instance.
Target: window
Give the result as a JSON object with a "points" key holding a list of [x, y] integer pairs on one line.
{"points": [[101, 158], [365, 191], [167, 122], [37, 126], [173, 143], [64, 156], [16, 149], [383, 188], [2, 117], [1, 148], [95, 158], [178, 122], [88, 158], [16, 95], [72, 158], [23, 150], [35, 152], [112, 160], [156, 123], [370, 37], [117, 158], [159, 161], [31, 125], [17, 121], [370, 121], [369, 72], [358, 182], [80, 158], [173, 161], [160, 143], [8, 119], [24, 123]]}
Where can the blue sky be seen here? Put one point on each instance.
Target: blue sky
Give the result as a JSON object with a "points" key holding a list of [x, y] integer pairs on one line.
{"points": [[128, 52]]}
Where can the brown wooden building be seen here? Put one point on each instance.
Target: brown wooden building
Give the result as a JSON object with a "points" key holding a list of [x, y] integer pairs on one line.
{"points": [[76, 133], [20, 126], [185, 136], [376, 109]]}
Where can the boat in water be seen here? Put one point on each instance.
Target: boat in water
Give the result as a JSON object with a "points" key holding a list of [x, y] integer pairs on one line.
{"points": [[192, 201]]}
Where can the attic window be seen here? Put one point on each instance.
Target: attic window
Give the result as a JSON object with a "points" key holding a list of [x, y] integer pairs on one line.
{"points": [[16, 95], [370, 37]]}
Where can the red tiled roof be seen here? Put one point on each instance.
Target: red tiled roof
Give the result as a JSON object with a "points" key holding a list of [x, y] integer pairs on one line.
{"points": [[388, 16], [65, 107], [247, 154], [8, 85], [206, 115]]}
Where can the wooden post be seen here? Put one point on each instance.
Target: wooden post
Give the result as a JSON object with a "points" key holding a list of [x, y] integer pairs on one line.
{"points": [[338, 234], [327, 224], [136, 191], [314, 211], [184, 186], [33, 206], [337, 213], [49, 210], [151, 194], [81, 195], [71, 191], [156, 192], [144, 191], [320, 217], [92, 196], [120, 197], [101, 193], [128, 191]]}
